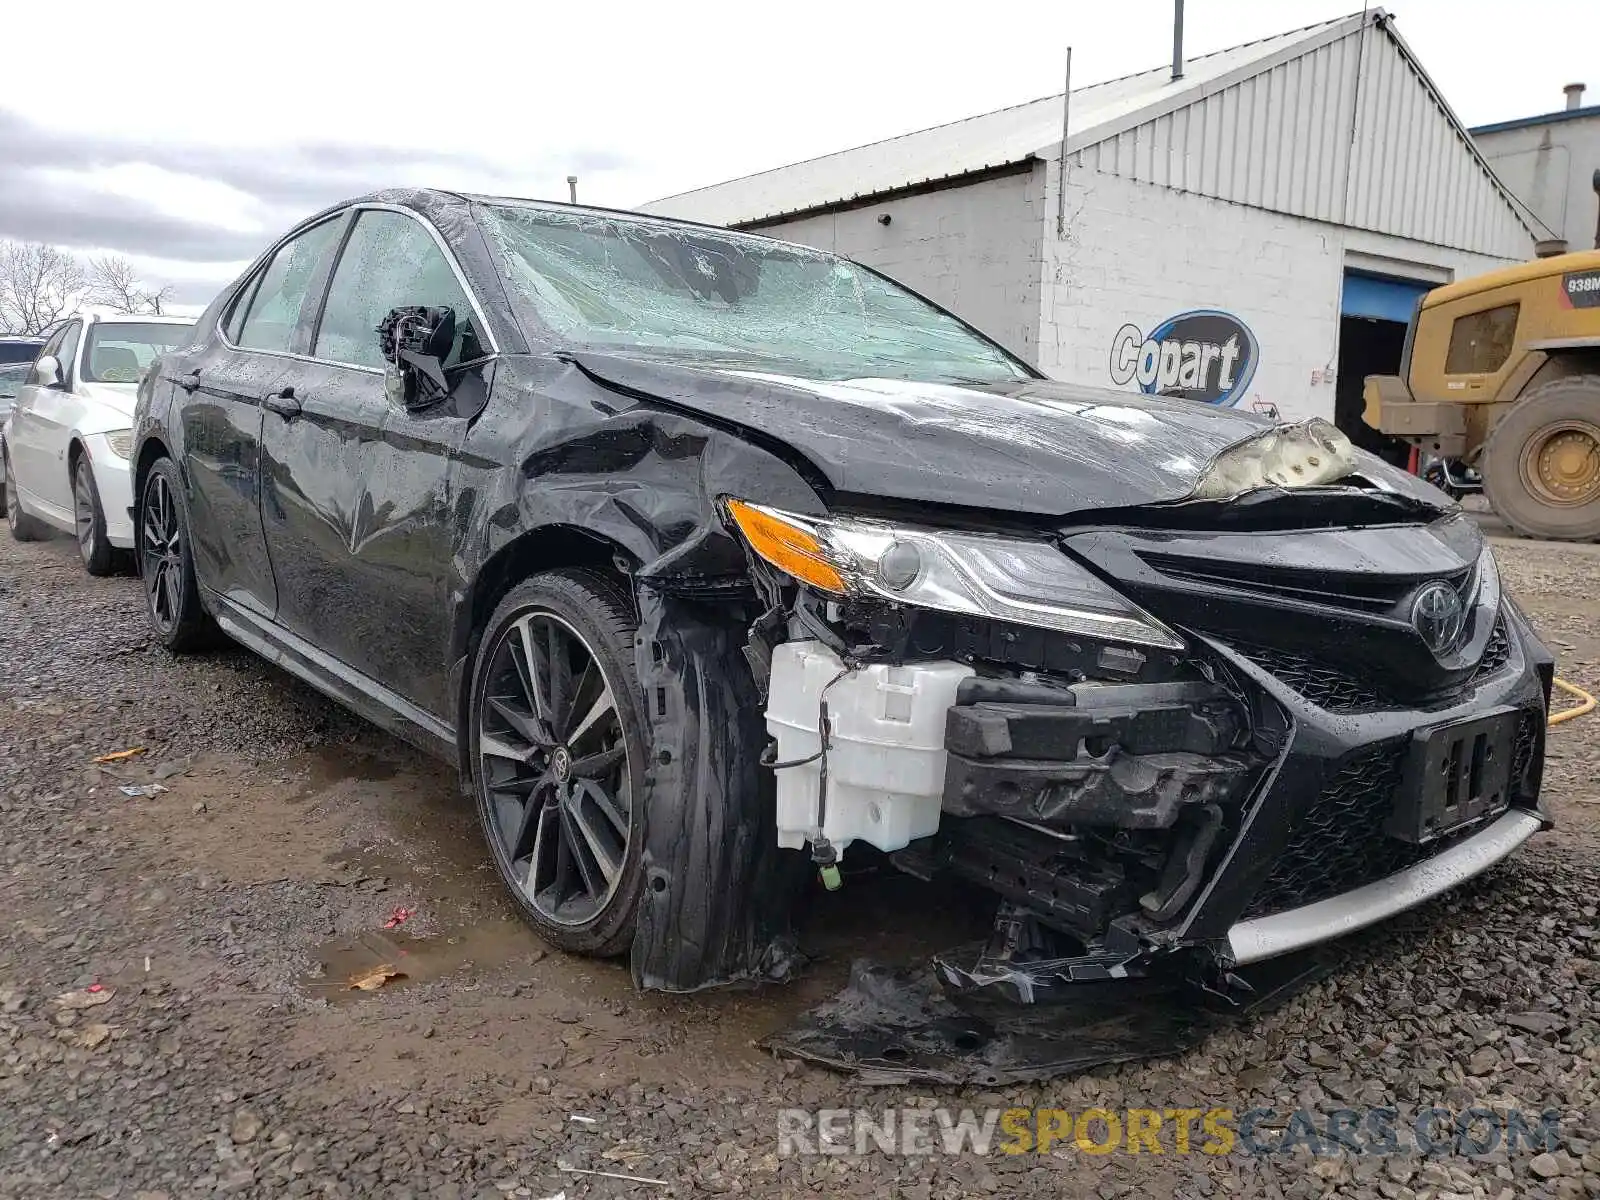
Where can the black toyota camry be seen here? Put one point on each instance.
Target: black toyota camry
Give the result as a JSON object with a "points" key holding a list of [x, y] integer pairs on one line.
{"points": [[713, 561]]}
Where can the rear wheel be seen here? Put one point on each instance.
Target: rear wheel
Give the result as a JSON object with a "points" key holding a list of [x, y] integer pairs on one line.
{"points": [[99, 556], [558, 757], [172, 597], [23, 527], [1541, 467]]}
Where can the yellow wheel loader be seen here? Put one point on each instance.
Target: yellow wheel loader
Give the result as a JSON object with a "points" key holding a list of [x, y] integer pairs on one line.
{"points": [[1502, 372]]}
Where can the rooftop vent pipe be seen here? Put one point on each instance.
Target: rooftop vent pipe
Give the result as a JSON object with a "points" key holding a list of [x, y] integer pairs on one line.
{"points": [[1574, 91], [1177, 40]]}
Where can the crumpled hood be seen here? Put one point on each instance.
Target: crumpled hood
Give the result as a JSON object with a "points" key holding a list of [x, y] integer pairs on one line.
{"points": [[1034, 447]]}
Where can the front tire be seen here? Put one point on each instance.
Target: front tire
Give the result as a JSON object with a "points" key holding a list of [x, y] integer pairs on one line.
{"points": [[23, 527], [99, 556], [166, 564], [1541, 466], [556, 739]]}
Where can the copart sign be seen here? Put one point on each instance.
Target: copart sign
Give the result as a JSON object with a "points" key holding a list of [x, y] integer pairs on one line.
{"points": [[1203, 355]]}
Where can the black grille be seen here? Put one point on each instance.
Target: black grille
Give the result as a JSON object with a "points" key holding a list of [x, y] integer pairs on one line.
{"points": [[1496, 654], [1325, 686], [1339, 844], [1315, 585], [1337, 690]]}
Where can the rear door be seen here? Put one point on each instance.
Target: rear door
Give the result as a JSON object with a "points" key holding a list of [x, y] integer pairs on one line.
{"points": [[356, 491], [255, 356]]}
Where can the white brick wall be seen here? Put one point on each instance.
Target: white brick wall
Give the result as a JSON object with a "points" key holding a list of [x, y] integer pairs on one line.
{"points": [[1138, 253], [973, 249]]}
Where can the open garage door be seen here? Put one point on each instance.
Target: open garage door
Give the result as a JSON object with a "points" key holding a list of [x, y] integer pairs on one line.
{"points": [[1374, 311]]}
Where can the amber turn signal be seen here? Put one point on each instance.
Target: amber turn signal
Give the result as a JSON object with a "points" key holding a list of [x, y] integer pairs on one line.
{"points": [[787, 546]]}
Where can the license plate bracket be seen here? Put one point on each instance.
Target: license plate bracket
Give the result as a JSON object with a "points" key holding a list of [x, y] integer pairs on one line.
{"points": [[1455, 774]]}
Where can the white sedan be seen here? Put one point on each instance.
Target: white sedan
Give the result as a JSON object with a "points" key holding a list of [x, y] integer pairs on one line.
{"points": [[70, 433]]}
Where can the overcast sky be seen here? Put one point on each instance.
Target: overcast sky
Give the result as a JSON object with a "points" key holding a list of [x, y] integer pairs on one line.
{"points": [[185, 139]]}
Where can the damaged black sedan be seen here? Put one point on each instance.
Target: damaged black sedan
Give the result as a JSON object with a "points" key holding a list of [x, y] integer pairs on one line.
{"points": [[709, 557]]}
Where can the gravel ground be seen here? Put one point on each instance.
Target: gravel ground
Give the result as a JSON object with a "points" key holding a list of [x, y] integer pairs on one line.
{"points": [[175, 1021]]}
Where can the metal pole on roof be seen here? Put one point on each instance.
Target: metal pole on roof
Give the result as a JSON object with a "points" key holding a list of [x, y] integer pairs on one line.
{"points": [[1177, 40], [572, 188], [1061, 180]]}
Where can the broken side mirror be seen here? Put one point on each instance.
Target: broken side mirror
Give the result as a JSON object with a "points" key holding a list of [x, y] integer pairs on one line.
{"points": [[47, 371], [415, 341]]}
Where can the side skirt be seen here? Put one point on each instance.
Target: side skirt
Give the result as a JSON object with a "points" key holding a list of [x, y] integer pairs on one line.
{"points": [[359, 693]]}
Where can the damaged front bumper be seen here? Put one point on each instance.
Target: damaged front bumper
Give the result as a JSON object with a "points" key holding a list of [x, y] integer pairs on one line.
{"points": [[1291, 734], [1180, 834], [1173, 873]]}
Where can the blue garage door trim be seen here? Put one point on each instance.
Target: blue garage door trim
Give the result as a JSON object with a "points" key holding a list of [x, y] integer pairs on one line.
{"points": [[1380, 297]]}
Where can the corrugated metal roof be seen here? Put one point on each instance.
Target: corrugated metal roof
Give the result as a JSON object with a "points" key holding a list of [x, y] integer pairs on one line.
{"points": [[1266, 124], [1350, 131], [993, 139]]}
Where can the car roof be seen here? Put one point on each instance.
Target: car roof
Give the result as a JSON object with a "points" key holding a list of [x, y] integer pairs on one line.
{"points": [[136, 319], [434, 202]]}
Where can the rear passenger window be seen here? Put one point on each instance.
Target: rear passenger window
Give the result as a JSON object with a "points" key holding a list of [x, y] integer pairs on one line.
{"points": [[1481, 342], [389, 261], [275, 308]]}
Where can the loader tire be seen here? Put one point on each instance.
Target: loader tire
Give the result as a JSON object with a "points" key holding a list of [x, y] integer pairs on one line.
{"points": [[1541, 466]]}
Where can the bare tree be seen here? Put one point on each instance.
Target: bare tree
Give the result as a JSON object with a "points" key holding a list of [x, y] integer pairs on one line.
{"points": [[38, 285], [114, 283]]}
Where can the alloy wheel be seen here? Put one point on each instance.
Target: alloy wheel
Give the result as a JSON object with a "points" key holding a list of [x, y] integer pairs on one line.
{"points": [[553, 760], [83, 510], [161, 550]]}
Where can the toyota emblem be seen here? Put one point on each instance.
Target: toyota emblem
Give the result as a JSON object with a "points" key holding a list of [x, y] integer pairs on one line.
{"points": [[1438, 616]]}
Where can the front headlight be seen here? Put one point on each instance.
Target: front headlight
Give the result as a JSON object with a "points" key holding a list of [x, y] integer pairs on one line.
{"points": [[121, 442], [1007, 579]]}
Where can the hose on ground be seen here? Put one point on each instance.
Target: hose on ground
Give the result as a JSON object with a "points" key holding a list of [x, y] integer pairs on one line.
{"points": [[1586, 703]]}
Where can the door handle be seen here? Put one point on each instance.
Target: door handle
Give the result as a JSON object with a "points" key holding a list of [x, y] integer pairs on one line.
{"points": [[283, 403], [189, 382]]}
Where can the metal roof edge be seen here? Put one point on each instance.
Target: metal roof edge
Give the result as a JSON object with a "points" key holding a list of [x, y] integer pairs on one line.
{"points": [[1552, 118], [860, 199], [1330, 30]]}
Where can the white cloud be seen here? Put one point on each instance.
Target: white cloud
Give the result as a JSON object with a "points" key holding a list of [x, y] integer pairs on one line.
{"points": [[639, 99]]}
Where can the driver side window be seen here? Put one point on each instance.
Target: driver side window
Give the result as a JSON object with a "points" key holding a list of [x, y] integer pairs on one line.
{"points": [[389, 261], [69, 350], [63, 344]]}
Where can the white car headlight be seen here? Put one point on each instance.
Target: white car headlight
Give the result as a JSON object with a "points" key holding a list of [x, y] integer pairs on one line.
{"points": [[1007, 579], [121, 442]]}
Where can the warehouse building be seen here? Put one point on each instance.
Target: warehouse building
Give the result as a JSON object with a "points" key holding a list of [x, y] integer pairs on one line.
{"points": [[1252, 230], [1552, 164]]}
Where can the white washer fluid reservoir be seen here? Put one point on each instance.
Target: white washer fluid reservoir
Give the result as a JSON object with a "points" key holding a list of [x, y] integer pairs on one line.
{"points": [[886, 758]]}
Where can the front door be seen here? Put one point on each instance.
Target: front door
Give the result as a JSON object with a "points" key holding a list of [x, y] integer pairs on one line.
{"points": [[42, 421], [227, 388], [356, 492]]}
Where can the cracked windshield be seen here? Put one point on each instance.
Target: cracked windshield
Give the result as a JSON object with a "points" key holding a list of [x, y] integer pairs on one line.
{"points": [[607, 284]]}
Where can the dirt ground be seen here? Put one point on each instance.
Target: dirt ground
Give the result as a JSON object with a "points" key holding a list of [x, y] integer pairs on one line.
{"points": [[220, 920]]}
